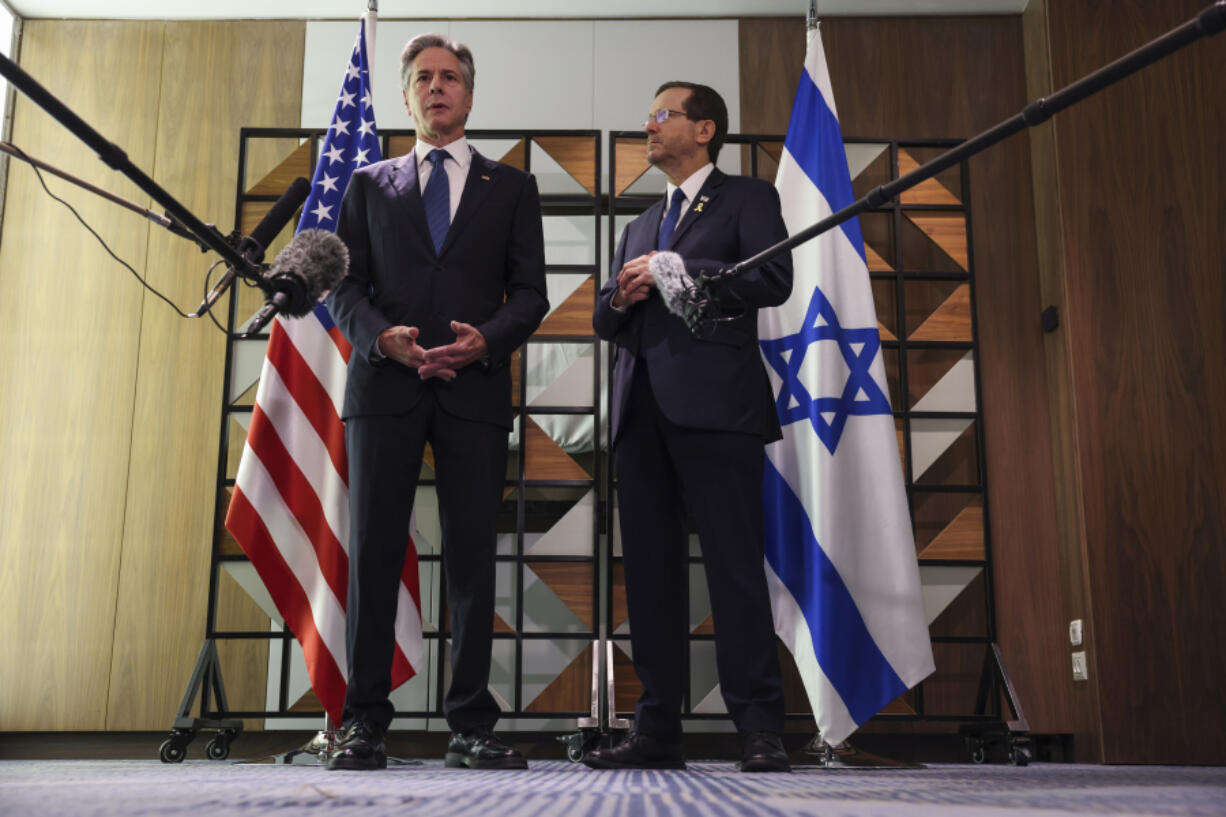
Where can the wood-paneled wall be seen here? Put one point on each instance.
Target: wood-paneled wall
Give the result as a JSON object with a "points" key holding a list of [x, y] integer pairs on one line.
{"points": [[1105, 454], [109, 412], [955, 77], [1139, 173]]}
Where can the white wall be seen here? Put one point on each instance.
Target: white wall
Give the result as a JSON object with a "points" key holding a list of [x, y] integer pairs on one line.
{"points": [[556, 74]]}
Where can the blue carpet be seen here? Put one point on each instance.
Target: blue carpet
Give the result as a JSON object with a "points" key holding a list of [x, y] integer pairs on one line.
{"points": [[135, 788]]}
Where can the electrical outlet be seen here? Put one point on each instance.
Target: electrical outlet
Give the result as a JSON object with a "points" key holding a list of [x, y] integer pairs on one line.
{"points": [[1080, 672], [1074, 632]]}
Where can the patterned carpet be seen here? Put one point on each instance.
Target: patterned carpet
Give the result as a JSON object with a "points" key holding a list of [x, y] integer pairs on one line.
{"points": [[135, 788]]}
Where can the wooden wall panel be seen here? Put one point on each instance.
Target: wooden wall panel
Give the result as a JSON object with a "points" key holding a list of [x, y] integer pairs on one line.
{"points": [[70, 326], [217, 78], [1143, 203], [954, 77], [1069, 579]]}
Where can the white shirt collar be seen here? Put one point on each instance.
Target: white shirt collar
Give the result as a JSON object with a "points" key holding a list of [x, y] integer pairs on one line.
{"points": [[691, 185], [458, 150]]}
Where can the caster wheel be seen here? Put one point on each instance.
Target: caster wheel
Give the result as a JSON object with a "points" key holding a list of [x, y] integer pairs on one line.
{"points": [[1019, 755], [171, 752], [978, 753], [217, 748], [574, 753]]}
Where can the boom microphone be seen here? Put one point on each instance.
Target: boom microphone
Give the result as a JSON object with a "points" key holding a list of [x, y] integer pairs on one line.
{"points": [[307, 268], [252, 247]]}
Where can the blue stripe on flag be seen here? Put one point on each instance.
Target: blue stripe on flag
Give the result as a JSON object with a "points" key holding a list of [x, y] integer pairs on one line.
{"points": [[816, 143], [845, 650]]}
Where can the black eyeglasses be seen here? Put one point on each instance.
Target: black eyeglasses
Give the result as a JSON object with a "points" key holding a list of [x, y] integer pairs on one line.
{"points": [[659, 116]]}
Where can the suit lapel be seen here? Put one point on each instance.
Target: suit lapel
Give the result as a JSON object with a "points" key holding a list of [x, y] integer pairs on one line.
{"points": [[482, 175], [408, 192], [706, 197], [644, 240]]}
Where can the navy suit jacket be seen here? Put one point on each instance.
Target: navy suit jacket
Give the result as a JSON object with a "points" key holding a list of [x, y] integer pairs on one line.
{"points": [[490, 273], [717, 382]]}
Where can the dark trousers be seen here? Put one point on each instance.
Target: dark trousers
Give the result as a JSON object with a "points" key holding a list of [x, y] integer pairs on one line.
{"points": [[662, 469], [385, 455]]}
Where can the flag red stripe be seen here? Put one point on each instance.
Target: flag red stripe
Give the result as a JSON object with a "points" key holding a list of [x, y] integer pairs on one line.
{"points": [[300, 497], [292, 603], [342, 345], [312, 398]]}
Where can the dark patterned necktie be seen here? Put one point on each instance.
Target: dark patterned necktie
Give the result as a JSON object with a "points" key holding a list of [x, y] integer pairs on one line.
{"points": [[437, 198], [669, 224]]}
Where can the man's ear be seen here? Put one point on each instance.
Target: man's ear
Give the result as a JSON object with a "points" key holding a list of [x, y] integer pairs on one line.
{"points": [[705, 131]]}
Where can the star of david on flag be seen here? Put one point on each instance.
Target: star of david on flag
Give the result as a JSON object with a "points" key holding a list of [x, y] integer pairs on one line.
{"points": [[858, 347], [290, 507], [840, 553]]}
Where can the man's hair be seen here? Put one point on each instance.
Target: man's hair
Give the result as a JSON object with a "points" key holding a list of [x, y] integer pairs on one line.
{"points": [[704, 102], [423, 41]]}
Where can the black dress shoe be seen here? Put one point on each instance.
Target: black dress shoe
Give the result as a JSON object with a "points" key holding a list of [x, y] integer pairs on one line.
{"points": [[637, 751], [360, 748], [479, 749], [764, 752]]}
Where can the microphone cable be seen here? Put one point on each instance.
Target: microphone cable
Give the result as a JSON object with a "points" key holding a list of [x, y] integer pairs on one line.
{"points": [[20, 154]]}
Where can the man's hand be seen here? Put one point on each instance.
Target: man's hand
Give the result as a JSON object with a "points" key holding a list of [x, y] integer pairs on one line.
{"points": [[445, 361], [400, 344], [634, 282]]}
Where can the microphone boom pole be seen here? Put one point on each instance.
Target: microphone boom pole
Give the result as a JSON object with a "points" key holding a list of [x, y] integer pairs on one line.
{"points": [[114, 157], [1209, 22]]}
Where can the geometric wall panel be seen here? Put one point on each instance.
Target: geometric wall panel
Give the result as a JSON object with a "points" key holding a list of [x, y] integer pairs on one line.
{"points": [[950, 320], [545, 460], [570, 690], [944, 452], [277, 181], [571, 534], [929, 191], [962, 536], [575, 154], [946, 231], [942, 584], [571, 583], [941, 379]]}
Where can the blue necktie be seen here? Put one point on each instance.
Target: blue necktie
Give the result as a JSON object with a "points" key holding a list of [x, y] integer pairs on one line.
{"points": [[437, 198], [670, 220]]}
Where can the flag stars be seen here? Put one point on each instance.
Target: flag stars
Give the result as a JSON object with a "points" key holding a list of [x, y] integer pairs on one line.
{"points": [[328, 183], [346, 99], [366, 100], [322, 213], [334, 154], [367, 128], [341, 126], [361, 158], [353, 72]]}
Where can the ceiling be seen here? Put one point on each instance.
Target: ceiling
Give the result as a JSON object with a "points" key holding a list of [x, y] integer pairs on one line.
{"points": [[515, 9]]}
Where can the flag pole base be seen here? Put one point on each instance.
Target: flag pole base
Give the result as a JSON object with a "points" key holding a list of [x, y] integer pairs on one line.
{"points": [[846, 756], [205, 681]]}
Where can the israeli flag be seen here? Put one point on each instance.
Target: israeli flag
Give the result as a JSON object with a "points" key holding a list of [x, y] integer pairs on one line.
{"points": [[840, 553]]}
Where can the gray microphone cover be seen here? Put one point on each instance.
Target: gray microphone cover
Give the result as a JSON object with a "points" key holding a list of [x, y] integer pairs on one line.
{"points": [[310, 265], [674, 283]]}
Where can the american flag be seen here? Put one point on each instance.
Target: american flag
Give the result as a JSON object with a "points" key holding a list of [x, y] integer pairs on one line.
{"points": [[290, 508]]}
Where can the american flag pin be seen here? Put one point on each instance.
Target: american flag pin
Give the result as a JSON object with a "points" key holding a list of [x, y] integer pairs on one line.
{"points": [[485, 178]]}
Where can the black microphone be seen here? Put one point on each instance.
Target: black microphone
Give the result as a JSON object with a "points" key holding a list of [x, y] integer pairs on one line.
{"points": [[252, 247], [690, 299], [307, 268]]}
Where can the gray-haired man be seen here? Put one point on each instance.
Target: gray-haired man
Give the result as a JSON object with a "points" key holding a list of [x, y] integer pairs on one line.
{"points": [[446, 279]]}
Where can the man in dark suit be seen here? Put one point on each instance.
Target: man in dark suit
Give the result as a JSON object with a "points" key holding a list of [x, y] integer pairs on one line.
{"points": [[690, 417], [446, 279]]}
